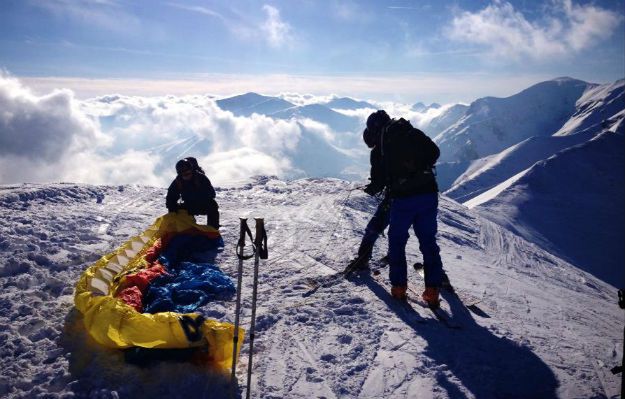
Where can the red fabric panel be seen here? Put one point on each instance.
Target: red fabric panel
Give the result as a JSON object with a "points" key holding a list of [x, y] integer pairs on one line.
{"points": [[132, 296], [155, 250], [142, 278]]}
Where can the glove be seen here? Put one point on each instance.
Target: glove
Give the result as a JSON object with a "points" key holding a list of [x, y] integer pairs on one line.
{"points": [[371, 189]]}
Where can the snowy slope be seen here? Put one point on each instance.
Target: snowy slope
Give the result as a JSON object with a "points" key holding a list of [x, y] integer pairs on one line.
{"points": [[487, 172], [601, 108], [491, 125], [348, 103], [597, 109], [449, 116], [250, 103], [545, 329], [420, 107], [315, 156], [571, 204], [320, 113]]}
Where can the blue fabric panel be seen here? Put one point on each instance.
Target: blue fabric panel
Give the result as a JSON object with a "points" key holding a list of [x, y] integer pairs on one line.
{"points": [[191, 282]]}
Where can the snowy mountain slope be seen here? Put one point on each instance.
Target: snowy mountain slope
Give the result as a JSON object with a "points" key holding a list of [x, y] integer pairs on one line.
{"points": [[348, 103], [448, 172], [249, 103], [420, 107], [597, 107], [546, 329], [315, 156], [600, 109], [571, 204], [491, 125], [487, 172], [446, 119], [320, 113]]}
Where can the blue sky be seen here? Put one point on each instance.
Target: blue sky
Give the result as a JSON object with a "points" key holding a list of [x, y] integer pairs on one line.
{"points": [[406, 50]]}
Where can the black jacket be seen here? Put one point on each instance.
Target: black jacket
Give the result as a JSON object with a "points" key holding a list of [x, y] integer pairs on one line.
{"points": [[197, 194], [408, 156]]}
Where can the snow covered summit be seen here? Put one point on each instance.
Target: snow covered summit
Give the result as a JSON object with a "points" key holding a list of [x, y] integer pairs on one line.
{"points": [[540, 328], [491, 125]]}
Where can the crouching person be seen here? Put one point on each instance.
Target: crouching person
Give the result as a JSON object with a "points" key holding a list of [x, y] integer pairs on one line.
{"points": [[196, 191]]}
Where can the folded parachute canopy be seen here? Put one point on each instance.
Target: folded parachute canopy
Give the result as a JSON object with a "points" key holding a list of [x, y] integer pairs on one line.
{"points": [[155, 272]]}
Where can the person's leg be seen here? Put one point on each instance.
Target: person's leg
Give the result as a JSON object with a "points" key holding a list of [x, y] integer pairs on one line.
{"points": [[375, 227], [212, 214], [425, 227], [401, 217]]}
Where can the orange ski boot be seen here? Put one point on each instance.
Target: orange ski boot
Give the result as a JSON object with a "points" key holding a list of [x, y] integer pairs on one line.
{"points": [[399, 292], [431, 296]]}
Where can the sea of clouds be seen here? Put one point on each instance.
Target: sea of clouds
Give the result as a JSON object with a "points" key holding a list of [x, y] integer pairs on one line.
{"points": [[118, 139]]}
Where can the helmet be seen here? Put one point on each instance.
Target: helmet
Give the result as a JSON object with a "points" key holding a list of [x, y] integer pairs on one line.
{"points": [[377, 120], [183, 165], [370, 137]]}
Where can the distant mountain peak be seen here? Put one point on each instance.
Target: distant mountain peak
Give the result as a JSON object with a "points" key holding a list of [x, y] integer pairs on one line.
{"points": [[564, 79], [347, 103], [249, 103], [421, 107]]}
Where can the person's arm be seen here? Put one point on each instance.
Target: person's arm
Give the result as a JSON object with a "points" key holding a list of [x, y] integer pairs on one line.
{"points": [[173, 194], [207, 187], [377, 175]]}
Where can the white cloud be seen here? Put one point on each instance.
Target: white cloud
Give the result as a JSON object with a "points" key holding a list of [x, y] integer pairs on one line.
{"points": [[106, 14], [198, 9], [305, 99], [278, 32], [119, 139], [129, 167], [227, 167], [41, 128], [50, 138], [508, 34], [442, 88]]}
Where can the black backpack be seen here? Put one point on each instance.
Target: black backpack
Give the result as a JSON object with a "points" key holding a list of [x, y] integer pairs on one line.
{"points": [[409, 156]]}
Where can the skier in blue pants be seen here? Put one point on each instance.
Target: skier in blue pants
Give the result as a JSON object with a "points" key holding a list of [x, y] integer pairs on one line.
{"points": [[407, 158], [419, 212]]}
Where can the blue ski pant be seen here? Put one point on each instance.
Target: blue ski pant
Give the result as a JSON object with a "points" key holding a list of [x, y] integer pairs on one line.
{"points": [[376, 226], [420, 212]]}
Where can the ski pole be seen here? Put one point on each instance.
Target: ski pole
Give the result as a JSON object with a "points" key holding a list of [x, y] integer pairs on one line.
{"points": [[244, 229], [261, 253]]}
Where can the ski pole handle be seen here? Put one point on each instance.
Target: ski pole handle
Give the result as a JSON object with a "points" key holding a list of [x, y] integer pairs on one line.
{"points": [[243, 230], [261, 238]]}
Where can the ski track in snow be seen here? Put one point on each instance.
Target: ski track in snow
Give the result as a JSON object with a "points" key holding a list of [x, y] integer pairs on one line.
{"points": [[547, 329]]}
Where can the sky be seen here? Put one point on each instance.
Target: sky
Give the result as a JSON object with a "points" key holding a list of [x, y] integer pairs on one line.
{"points": [[115, 91], [442, 51]]}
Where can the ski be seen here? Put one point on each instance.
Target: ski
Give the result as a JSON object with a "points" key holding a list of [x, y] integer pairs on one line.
{"points": [[439, 313], [468, 301], [408, 311], [411, 313], [335, 278]]}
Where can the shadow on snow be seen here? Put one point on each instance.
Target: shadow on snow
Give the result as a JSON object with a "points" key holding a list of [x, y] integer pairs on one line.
{"points": [[487, 365]]}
